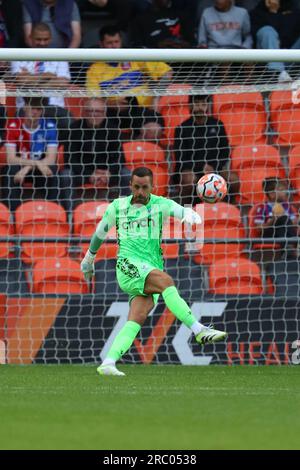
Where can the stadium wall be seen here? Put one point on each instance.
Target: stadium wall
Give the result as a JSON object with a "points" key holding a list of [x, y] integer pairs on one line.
{"points": [[52, 330]]}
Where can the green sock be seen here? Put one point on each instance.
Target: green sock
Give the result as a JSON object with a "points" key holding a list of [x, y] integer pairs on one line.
{"points": [[178, 306], [123, 340]]}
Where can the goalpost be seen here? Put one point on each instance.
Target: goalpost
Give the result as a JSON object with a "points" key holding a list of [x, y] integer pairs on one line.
{"points": [[181, 113]]}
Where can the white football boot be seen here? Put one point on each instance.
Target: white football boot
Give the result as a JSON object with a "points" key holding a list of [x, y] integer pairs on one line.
{"points": [[209, 335], [109, 369]]}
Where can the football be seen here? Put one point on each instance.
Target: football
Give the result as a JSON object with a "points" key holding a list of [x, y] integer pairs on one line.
{"points": [[211, 188]]}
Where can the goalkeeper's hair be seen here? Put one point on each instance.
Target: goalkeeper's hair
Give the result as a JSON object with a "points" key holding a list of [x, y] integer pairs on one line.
{"points": [[142, 171]]}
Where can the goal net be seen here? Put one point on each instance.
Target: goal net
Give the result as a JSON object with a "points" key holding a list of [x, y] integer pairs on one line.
{"points": [[74, 124]]}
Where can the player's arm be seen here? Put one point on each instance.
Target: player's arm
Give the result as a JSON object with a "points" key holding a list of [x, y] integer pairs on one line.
{"points": [[104, 226], [185, 214]]}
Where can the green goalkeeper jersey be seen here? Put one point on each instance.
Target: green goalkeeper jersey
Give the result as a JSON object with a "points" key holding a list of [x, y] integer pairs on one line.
{"points": [[139, 227]]}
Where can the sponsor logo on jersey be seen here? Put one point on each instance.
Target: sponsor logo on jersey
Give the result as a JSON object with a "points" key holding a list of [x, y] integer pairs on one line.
{"points": [[137, 224]]}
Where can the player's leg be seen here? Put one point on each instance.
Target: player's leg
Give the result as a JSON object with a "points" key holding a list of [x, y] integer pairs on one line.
{"points": [[160, 282], [140, 308]]}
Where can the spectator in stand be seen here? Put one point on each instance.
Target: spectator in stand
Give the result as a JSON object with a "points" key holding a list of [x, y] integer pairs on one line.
{"points": [[48, 75], [121, 10], [225, 26], [278, 218], [94, 153], [118, 77], [151, 132], [133, 119], [11, 23], [31, 153], [63, 19], [275, 25], [201, 146], [162, 26]]}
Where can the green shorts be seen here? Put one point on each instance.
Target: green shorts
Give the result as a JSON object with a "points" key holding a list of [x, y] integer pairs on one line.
{"points": [[131, 276]]}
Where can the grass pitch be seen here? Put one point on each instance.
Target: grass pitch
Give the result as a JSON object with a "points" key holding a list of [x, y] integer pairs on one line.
{"points": [[153, 407]]}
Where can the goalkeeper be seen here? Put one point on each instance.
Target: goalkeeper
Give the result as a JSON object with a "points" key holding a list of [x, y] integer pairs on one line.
{"points": [[139, 220]]}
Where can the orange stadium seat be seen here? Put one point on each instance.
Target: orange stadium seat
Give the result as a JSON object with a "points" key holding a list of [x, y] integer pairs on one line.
{"points": [[58, 276], [285, 118], [253, 164], [174, 109], [221, 221], [253, 233], [243, 115], [6, 229], [239, 276], [86, 216], [140, 153], [248, 156], [42, 219], [294, 171]]}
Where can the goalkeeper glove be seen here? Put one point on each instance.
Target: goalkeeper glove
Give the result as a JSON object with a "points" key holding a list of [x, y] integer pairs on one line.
{"points": [[87, 266], [191, 217]]}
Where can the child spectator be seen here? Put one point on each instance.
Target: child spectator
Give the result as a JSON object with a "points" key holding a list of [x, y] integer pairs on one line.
{"points": [[31, 152], [277, 218]]}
